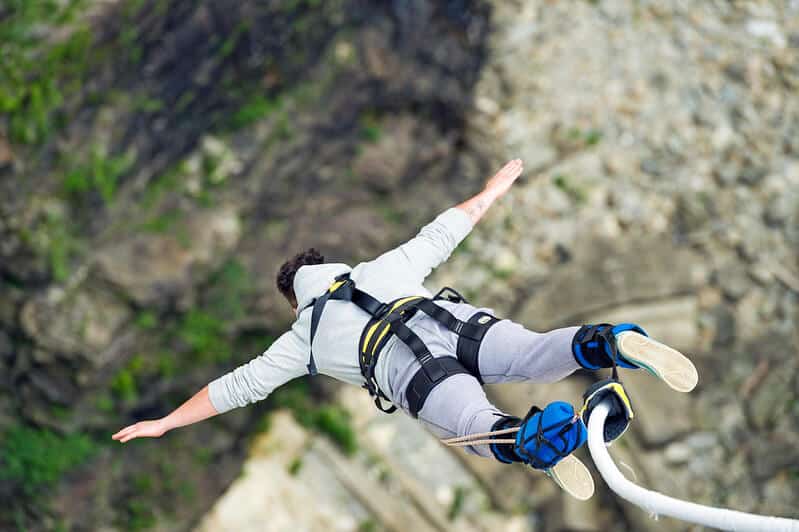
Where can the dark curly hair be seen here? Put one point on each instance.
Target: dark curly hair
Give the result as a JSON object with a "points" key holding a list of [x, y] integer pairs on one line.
{"points": [[285, 277]]}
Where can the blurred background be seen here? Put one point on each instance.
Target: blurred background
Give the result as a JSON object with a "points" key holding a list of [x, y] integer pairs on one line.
{"points": [[159, 159]]}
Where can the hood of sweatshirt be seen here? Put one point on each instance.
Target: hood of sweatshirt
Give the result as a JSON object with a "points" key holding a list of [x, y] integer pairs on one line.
{"points": [[312, 280]]}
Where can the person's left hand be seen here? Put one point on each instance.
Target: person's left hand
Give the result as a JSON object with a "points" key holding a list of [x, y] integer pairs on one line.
{"points": [[501, 182], [143, 429]]}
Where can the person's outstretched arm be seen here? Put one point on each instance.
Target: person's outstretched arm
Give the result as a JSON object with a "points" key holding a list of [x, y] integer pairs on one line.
{"points": [[250, 382], [495, 188], [196, 409], [435, 242]]}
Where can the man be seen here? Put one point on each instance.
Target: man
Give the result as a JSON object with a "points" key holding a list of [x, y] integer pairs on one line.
{"points": [[375, 326]]}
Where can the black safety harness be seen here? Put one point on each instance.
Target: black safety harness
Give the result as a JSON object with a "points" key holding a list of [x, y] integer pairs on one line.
{"points": [[389, 319]]}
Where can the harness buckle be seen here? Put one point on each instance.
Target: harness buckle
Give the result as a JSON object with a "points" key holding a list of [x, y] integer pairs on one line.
{"points": [[382, 310]]}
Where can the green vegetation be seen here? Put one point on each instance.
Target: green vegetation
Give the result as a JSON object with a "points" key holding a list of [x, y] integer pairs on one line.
{"points": [[229, 44], [456, 507], [295, 466], [52, 238], [124, 386], [204, 335], [35, 82], [566, 184], [368, 525], [60, 249], [146, 320], [100, 175], [589, 137], [37, 458], [330, 419], [140, 514], [256, 108], [370, 127], [227, 288]]}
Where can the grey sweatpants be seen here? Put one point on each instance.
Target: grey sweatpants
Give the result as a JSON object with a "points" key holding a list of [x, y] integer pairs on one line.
{"points": [[508, 353]]}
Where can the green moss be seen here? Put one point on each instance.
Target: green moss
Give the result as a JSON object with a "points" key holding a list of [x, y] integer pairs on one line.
{"points": [[37, 75], [502, 273], [52, 238], [143, 484], [592, 137], [295, 466], [124, 386], [257, 108], [336, 422], [203, 456], [229, 44], [104, 403], [227, 288], [566, 184], [60, 251], [139, 514], [100, 175], [390, 214], [368, 525], [161, 223], [204, 335], [456, 507], [148, 105], [166, 182], [370, 127], [166, 365], [146, 320], [329, 419], [35, 458]]}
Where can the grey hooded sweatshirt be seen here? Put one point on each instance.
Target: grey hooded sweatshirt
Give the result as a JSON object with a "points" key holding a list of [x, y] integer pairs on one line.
{"points": [[394, 274]]}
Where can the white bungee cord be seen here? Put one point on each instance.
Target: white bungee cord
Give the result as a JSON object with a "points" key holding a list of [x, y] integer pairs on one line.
{"points": [[658, 504]]}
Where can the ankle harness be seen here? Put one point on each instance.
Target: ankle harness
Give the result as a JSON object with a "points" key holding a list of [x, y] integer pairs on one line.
{"points": [[389, 319], [594, 346]]}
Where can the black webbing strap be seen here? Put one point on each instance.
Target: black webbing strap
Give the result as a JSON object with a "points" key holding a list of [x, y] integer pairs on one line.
{"points": [[469, 348], [389, 319], [542, 440], [420, 386], [445, 318], [374, 336], [316, 314]]}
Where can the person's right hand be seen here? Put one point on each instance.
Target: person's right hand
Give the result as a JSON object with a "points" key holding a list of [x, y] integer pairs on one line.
{"points": [[143, 429], [502, 180]]}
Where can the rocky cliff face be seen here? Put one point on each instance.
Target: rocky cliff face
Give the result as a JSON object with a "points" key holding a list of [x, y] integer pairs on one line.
{"points": [[198, 144]]}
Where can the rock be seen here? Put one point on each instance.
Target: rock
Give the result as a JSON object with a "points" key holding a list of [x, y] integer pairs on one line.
{"points": [[6, 154], [733, 281], [767, 30], [769, 401], [83, 321], [661, 414], [678, 453], [636, 271], [156, 269], [10, 303], [286, 495], [6, 347]]}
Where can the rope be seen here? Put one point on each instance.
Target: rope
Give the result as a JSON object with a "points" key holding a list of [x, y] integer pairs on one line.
{"points": [[658, 504]]}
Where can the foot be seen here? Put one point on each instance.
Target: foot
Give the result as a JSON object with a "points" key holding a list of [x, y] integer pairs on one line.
{"points": [[573, 477], [665, 363]]}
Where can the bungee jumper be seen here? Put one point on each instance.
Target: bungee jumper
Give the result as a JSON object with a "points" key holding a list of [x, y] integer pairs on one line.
{"points": [[375, 325]]}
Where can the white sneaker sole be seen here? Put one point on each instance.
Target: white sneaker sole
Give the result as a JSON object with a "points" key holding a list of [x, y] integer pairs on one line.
{"points": [[573, 477], [668, 364]]}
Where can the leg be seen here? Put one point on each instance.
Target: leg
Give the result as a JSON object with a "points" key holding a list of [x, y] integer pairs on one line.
{"points": [[458, 407], [510, 352]]}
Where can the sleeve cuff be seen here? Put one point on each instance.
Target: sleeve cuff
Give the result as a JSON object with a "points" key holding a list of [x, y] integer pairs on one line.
{"points": [[216, 394]]}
